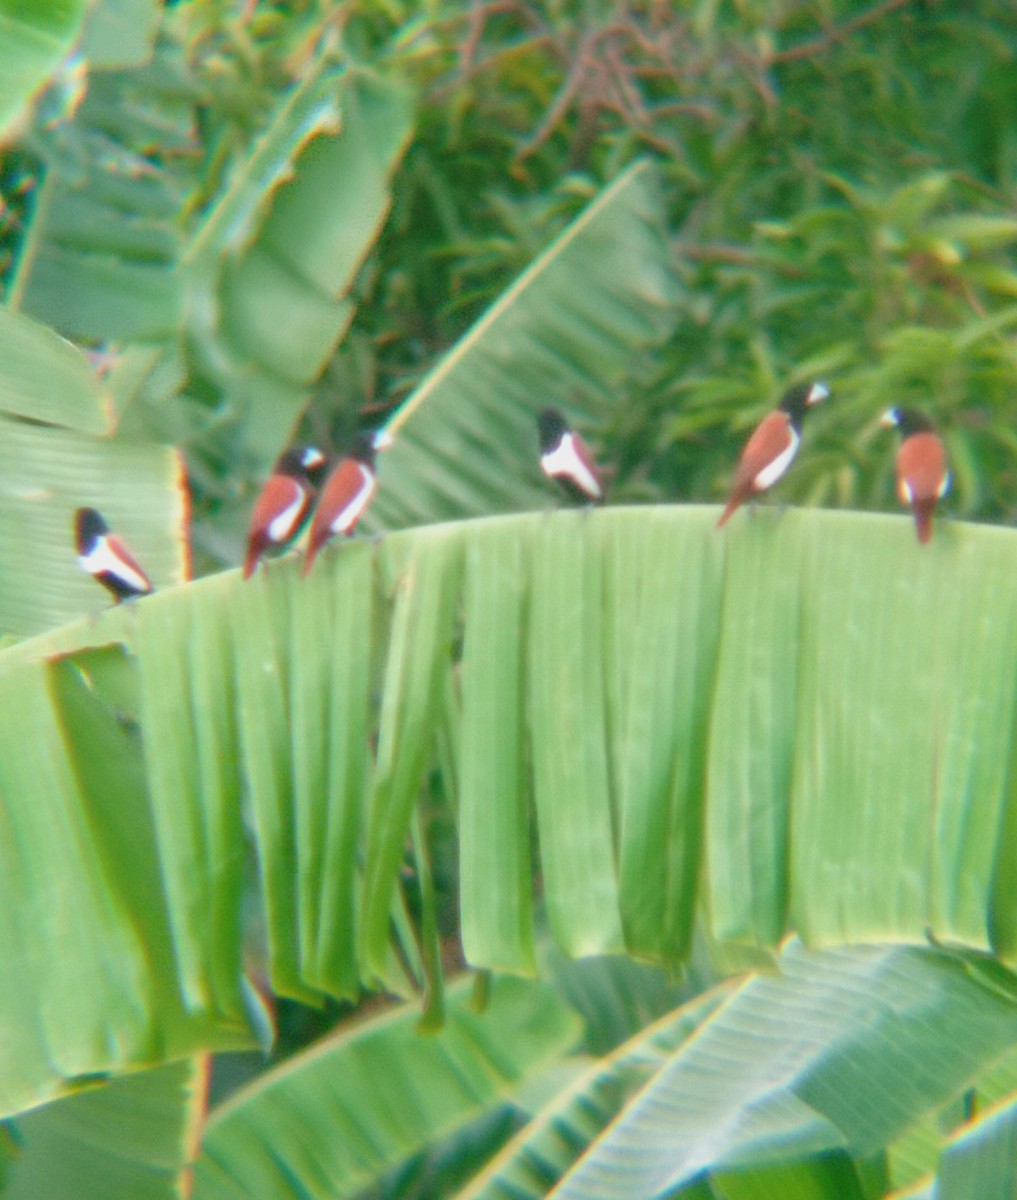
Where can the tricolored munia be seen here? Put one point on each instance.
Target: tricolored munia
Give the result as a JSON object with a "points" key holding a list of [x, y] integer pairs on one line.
{"points": [[105, 557], [922, 474], [346, 494], [565, 458], [284, 503], [772, 446]]}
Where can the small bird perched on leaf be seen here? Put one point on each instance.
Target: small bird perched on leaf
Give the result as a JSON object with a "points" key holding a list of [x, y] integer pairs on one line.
{"points": [[922, 474], [106, 558], [284, 503], [345, 496], [565, 458], [769, 451]]}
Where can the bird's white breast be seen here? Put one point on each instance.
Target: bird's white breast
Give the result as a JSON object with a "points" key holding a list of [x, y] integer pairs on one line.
{"points": [[769, 475], [564, 460], [102, 559], [349, 514]]}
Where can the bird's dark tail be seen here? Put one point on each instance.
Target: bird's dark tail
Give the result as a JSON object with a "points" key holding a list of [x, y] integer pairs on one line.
{"points": [[254, 551], [737, 498], [314, 544], [923, 518]]}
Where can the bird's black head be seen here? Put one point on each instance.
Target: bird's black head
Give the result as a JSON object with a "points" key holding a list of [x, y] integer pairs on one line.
{"points": [[907, 420], [303, 462], [551, 425], [363, 449], [89, 526], [801, 397]]}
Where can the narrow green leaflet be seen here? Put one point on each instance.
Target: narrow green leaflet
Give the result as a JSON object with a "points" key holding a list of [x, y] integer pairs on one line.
{"points": [[233, 219], [34, 38], [569, 733], [424, 586], [662, 590], [302, 655], [496, 869], [828, 1176], [131, 1137], [565, 333], [362, 1101], [752, 729], [840, 1052], [188, 715]]}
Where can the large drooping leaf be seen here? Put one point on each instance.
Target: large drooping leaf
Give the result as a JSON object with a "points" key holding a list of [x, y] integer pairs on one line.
{"points": [[320, 705], [362, 1100], [34, 38], [837, 1054], [567, 333], [123, 1139]]}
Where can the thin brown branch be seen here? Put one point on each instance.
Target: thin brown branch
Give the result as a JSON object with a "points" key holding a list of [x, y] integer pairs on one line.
{"points": [[441, 91], [735, 256], [689, 108], [821, 44], [559, 106]]}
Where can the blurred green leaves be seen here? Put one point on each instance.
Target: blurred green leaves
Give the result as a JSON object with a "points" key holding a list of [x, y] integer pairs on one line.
{"points": [[34, 38]]}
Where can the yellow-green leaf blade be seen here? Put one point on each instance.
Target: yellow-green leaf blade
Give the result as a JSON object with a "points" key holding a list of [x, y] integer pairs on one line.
{"points": [[361, 1101]]}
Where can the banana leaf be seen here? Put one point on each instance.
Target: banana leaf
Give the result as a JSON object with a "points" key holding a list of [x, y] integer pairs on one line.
{"points": [[366, 1098], [570, 332], [304, 714], [834, 1057]]}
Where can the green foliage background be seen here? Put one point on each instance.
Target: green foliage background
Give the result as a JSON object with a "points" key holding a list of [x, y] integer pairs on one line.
{"points": [[838, 184]]}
